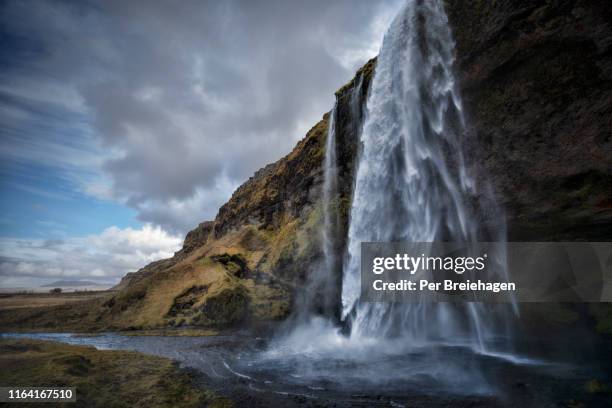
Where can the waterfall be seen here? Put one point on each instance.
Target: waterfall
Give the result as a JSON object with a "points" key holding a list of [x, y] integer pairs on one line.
{"points": [[330, 185], [322, 289], [330, 221], [411, 183]]}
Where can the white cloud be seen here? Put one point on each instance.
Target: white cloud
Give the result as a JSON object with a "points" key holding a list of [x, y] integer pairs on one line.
{"points": [[165, 101], [105, 257], [164, 108]]}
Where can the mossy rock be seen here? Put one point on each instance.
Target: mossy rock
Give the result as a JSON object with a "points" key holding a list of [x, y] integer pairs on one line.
{"points": [[235, 264], [229, 307]]}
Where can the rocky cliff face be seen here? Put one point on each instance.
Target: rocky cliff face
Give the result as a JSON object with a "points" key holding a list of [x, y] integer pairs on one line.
{"points": [[536, 78]]}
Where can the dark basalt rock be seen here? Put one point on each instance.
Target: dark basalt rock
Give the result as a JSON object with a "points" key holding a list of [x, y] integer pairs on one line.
{"points": [[536, 79]]}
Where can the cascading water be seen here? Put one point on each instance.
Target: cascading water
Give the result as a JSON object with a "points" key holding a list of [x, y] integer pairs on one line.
{"points": [[411, 183], [322, 289], [330, 189]]}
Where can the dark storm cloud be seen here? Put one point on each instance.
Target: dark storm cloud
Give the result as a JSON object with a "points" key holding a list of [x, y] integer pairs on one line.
{"points": [[188, 99]]}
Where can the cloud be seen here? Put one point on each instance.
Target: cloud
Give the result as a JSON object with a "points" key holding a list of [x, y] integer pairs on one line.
{"points": [[172, 105], [105, 257]]}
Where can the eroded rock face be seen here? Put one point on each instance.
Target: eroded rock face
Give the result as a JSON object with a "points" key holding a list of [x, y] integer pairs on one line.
{"points": [[536, 78], [197, 236], [279, 191]]}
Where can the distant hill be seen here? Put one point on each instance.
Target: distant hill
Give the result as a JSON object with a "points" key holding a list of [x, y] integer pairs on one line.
{"points": [[71, 284]]}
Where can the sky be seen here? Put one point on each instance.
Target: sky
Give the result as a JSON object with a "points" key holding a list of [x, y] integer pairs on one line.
{"points": [[124, 124]]}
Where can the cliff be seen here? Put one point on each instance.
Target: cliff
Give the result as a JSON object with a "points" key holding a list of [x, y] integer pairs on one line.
{"points": [[536, 82], [536, 78]]}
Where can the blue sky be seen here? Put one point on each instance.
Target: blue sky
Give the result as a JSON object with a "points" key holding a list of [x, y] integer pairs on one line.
{"points": [[131, 122], [47, 208], [49, 158]]}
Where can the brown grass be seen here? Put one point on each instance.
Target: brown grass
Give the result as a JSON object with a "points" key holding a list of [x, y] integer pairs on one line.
{"points": [[102, 378], [21, 300]]}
